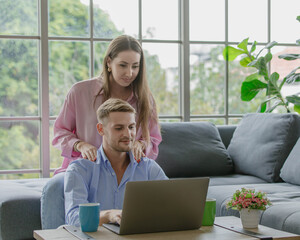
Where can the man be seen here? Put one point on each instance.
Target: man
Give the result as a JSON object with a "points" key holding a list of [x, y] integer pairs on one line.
{"points": [[104, 180]]}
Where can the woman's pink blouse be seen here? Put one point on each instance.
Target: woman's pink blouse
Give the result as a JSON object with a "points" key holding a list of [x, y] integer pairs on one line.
{"points": [[77, 121]]}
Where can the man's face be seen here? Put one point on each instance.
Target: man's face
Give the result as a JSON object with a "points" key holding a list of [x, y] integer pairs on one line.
{"points": [[119, 131]]}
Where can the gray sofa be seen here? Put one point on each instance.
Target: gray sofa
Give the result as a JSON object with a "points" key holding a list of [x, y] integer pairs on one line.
{"points": [[261, 152]]}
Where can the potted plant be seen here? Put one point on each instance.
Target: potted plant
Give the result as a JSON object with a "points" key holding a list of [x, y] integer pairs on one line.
{"points": [[262, 79], [250, 204]]}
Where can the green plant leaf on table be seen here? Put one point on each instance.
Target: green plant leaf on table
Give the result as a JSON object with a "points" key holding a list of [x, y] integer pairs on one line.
{"points": [[250, 89]]}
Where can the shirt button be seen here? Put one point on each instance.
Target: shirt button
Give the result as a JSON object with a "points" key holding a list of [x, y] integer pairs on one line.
{"points": [[113, 174]]}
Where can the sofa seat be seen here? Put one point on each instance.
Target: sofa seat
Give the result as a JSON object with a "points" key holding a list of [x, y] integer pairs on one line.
{"points": [[20, 207], [234, 179], [284, 214]]}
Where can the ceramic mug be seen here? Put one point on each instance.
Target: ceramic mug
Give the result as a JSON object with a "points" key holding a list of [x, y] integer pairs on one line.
{"points": [[89, 216], [209, 212]]}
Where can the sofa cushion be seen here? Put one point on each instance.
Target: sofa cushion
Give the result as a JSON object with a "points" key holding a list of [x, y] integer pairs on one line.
{"points": [[290, 170], [262, 142], [192, 150]]}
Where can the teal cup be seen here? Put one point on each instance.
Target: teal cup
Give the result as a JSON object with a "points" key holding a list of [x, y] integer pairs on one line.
{"points": [[89, 216], [209, 212]]}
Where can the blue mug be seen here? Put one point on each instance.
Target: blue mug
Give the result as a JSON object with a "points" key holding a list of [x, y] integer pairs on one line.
{"points": [[89, 216]]}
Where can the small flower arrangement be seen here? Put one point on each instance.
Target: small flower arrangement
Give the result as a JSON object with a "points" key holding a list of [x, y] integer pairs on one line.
{"points": [[248, 198]]}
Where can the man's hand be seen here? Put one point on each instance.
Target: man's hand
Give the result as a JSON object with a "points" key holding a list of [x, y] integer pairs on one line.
{"points": [[138, 150], [87, 150], [110, 216]]}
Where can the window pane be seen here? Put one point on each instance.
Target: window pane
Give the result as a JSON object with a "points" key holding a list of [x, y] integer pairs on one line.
{"points": [[163, 76], [234, 121], [19, 176], [19, 145], [19, 77], [99, 52], [207, 69], [204, 12], [55, 154], [247, 19], [284, 26], [160, 19], [169, 120], [216, 121], [115, 17], [68, 18], [18, 17], [69, 63]]}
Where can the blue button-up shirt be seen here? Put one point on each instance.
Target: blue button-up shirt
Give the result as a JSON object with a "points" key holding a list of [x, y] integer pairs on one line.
{"points": [[87, 181]]}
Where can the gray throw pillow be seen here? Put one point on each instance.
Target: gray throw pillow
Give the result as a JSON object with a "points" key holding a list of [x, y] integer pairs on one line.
{"points": [[192, 150], [290, 170], [262, 142]]}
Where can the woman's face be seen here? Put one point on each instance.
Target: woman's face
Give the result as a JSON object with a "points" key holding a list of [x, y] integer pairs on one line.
{"points": [[125, 67]]}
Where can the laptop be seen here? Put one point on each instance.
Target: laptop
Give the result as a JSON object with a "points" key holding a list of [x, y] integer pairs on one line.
{"points": [[162, 205]]}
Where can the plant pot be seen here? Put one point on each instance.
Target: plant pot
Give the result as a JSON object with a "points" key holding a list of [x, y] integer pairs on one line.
{"points": [[250, 217]]}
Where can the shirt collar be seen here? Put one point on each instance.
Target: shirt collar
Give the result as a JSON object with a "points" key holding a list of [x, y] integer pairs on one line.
{"points": [[102, 158]]}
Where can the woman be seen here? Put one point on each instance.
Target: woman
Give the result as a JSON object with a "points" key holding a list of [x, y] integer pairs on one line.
{"points": [[124, 77]]}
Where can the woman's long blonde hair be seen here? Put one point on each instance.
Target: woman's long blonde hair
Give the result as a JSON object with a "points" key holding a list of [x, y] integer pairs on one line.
{"points": [[145, 104]]}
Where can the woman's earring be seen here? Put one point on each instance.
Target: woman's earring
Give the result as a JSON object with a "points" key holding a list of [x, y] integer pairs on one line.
{"points": [[109, 69]]}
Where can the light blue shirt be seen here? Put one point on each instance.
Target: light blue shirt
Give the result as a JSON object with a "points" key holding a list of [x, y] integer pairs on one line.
{"points": [[87, 181]]}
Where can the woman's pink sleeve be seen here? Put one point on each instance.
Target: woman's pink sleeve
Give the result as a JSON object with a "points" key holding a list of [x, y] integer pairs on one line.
{"points": [[155, 138], [65, 129]]}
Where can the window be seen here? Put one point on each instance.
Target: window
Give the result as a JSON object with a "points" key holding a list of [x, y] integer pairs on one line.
{"points": [[47, 46]]}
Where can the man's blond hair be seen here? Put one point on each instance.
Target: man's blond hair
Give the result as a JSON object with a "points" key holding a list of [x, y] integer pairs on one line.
{"points": [[113, 105]]}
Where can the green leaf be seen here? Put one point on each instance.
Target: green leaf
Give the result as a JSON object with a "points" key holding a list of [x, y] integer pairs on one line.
{"points": [[268, 46], [254, 76], [250, 89], [297, 108], [262, 107], [298, 18], [293, 99], [245, 61], [272, 85], [253, 47], [230, 53], [298, 42], [290, 56], [268, 57], [293, 76], [274, 77], [262, 67], [243, 45]]}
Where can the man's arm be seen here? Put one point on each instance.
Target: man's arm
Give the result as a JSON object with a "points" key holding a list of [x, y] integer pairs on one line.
{"points": [[75, 191]]}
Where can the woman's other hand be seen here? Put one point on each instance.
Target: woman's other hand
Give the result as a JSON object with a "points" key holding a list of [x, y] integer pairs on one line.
{"points": [[87, 150]]}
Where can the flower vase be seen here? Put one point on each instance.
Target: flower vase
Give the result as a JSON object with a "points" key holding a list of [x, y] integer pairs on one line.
{"points": [[250, 217]]}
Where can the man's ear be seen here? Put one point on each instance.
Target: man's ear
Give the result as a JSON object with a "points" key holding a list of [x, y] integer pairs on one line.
{"points": [[100, 129]]}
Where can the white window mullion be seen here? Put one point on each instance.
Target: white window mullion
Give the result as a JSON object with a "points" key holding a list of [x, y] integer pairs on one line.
{"points": [[44, 88]]}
